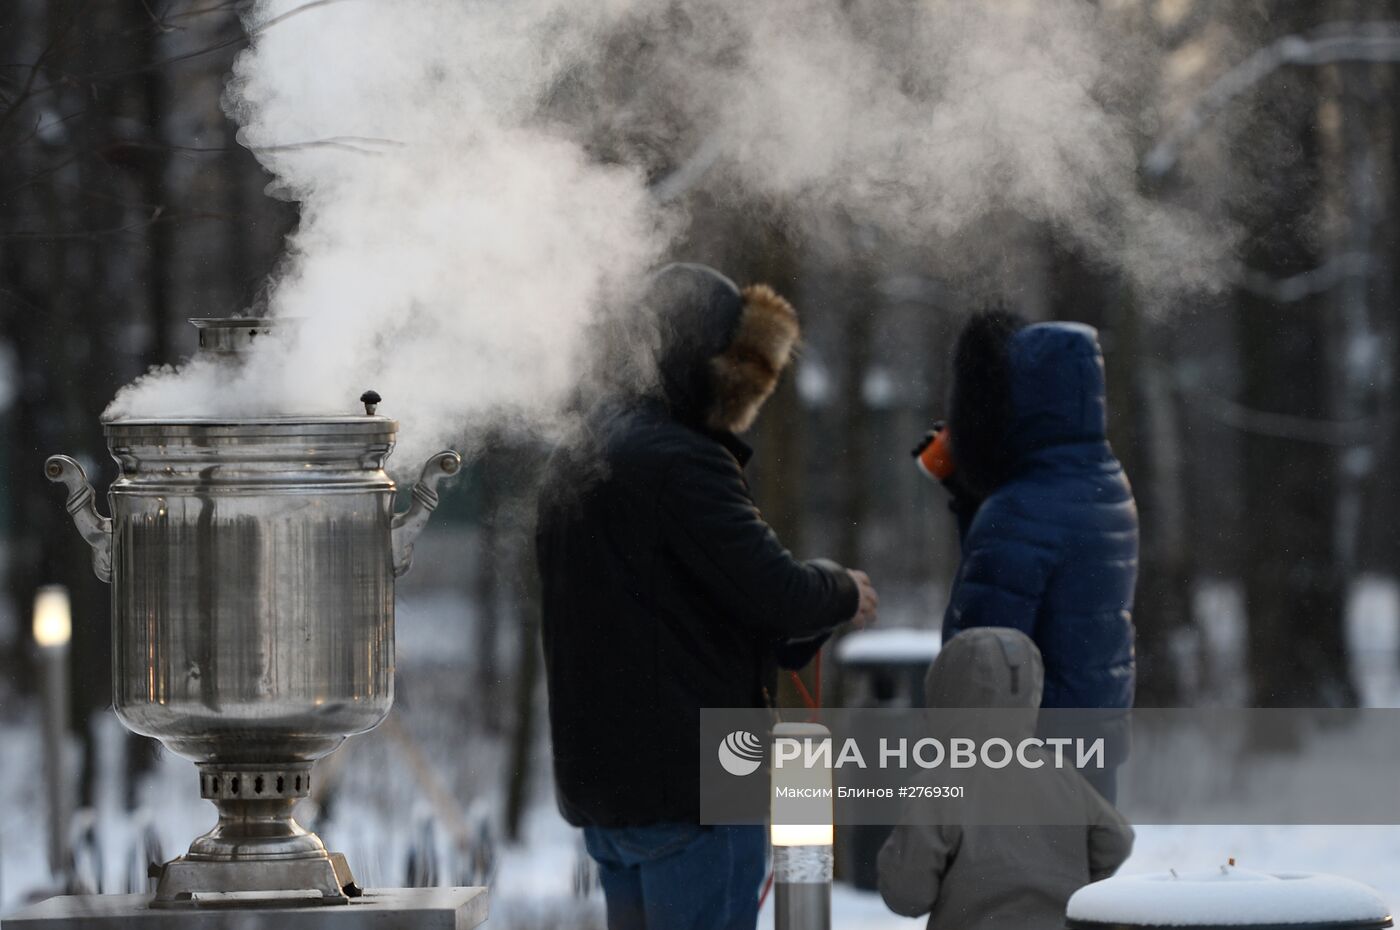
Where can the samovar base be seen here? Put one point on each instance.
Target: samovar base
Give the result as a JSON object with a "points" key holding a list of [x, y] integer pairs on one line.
{"points": [[196, 883], [378, 909], [257, 854]]}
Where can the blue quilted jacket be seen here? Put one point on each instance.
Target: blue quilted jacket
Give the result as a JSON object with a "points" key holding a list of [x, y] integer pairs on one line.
{"points": [[1053, 550]]}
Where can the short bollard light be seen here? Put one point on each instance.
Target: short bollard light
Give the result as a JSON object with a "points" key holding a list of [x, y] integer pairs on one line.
{"points": [[53, 628], [53, 616], [802, 831]]}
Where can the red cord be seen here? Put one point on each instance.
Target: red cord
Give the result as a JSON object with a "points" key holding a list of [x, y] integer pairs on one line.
{"points": [[802, 691], [812, 699], [767, 887]]}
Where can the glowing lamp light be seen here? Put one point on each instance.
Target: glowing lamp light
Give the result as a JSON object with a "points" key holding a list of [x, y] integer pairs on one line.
{"points": [[803, 834], [53, 616]]}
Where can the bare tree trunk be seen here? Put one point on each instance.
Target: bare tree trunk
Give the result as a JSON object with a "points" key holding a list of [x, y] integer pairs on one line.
{"points": [[1349, 155], [853, 454], [487, 594], [154, 170], [527, 686], [1162, 608], [63, 191], [855, 309], [521, 466], [1295, 589], [1382, 551]]}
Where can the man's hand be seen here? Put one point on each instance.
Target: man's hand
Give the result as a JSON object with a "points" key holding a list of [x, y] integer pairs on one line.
{"points": [[869, 600]]}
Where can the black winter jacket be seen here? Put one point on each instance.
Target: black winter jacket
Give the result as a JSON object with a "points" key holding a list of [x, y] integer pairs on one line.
{"points": [[663, 589]]}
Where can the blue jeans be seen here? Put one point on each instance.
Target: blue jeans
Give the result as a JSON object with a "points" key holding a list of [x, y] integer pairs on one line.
{"points": [[676, 876]]}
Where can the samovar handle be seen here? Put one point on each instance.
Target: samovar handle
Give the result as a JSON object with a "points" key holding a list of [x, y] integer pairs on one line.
{"points": [[82, 507], [407, 525]]}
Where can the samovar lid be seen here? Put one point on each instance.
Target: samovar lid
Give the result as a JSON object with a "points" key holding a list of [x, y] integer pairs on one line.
{"points": [[348, 428], [173, 447], [231, 335]]}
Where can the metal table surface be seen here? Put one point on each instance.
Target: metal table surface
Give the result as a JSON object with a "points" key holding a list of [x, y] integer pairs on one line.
{"points": [[377, 909]]}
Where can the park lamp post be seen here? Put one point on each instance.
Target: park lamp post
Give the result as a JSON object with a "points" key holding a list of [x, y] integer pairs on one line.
{"points": [[802, 832], [53, 628]]}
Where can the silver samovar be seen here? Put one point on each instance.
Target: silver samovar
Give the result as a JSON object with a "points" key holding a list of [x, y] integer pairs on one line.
{"points": [[252, 564]]}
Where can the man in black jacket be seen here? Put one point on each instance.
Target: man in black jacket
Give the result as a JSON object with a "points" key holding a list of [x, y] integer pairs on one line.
{"points": [[664, 592]]}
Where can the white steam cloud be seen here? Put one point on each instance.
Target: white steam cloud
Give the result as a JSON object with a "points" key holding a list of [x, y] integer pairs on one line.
{"points": [[448, 252], [473, 174]]}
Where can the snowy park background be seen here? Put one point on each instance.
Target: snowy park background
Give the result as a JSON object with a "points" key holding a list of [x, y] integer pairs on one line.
{"points": [[1214, 184]]}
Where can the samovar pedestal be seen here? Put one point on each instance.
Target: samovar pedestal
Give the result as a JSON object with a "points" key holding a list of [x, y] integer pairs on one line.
{"points": [[376, 909], [257, 848]]}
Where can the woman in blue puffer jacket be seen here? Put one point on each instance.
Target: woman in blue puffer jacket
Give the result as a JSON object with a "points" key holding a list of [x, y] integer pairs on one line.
{"points": [[1047, 520]]}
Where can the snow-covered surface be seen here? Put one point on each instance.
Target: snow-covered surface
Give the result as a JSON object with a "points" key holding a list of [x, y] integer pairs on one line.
{"points": [[1227, 895], [918, 647]]}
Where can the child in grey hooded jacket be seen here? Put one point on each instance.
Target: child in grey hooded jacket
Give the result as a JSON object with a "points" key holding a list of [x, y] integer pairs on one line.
{"points": [[972, 877]]}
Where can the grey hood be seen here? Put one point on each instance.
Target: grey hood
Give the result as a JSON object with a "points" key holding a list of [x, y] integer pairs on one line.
{"points": [[988, 667]]}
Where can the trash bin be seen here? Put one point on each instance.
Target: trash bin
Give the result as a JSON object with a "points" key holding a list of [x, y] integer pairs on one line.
{"points": [[883, 668], [1229, 896]]}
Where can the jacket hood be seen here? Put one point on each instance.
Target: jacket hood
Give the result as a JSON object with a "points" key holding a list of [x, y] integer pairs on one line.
{"points": [[1020, 388], [721, 349], [986, 667], [1057, 387]]}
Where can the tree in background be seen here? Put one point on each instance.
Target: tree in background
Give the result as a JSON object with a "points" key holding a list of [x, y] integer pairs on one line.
{"points": [[124, 207], [1295, 588]]}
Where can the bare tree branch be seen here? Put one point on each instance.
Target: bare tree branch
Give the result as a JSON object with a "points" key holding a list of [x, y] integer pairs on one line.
{"points": [[92, 235], [1328, 44], [39, 126], [26, 90], [14, 298], [1342, 433], [29, 92], [1301, 286], [40, 175], [362, 145]]}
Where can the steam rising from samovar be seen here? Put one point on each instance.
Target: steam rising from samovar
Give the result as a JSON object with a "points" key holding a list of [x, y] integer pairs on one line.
{"points": [[252, 564]]}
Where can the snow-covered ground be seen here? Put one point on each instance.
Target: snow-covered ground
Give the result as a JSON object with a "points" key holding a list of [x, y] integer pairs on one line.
{"points": [[379, 816]]}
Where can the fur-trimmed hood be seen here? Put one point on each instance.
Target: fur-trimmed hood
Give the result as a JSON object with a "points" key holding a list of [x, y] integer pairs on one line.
{"points": [[722, 349], [1019, 388]]}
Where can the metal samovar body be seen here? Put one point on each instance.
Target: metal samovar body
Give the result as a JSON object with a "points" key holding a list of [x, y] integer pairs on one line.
{"points": [[252, 565]]}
